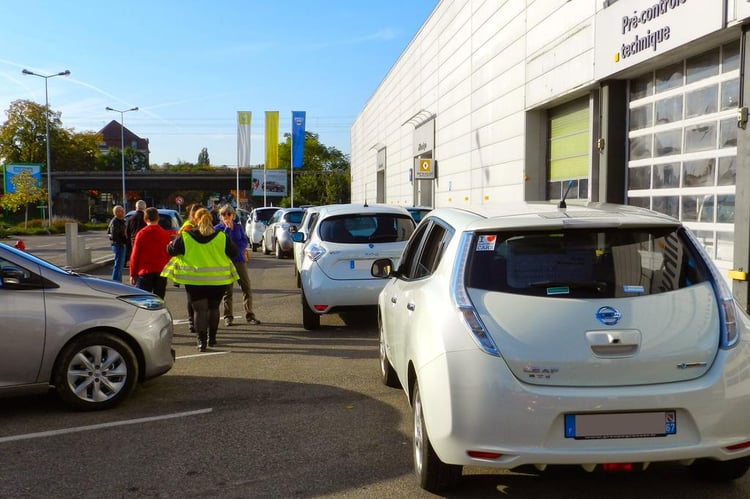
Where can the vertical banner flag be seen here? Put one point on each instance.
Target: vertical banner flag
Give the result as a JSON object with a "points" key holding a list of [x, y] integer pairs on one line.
{"points": [[243, 137], [272, 139], [298, 138]]}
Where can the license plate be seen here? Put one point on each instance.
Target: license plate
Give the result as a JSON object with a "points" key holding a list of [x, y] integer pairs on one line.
{"points": [[620, 425], [360, 264]]}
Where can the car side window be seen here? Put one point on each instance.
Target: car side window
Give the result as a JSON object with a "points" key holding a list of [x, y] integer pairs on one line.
{"points": [[15, 277], [432, 251], [410, 256]]}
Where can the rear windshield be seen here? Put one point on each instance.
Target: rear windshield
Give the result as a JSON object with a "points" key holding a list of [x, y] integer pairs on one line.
{"points": [[264, 215], [366, 228], [584, 263], [293, 217]]}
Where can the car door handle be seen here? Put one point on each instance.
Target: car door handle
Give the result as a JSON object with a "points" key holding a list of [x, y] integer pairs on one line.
{"points": [[410, 307]]}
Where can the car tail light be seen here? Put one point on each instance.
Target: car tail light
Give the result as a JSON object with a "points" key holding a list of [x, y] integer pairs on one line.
{"points": [[479, 332], [727, 307], [743, 445], [617, 467], [314, 251], [480, 454]]}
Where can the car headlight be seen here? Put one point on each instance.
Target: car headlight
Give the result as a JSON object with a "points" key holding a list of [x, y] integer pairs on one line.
{"points": [[148, 302]]}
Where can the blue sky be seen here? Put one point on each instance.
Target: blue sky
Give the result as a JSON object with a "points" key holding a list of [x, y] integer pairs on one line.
{"points": [[189, 66]]}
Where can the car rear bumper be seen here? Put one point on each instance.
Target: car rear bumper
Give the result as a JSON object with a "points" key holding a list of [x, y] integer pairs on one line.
{"points": [[340, 294], [472, 402]]}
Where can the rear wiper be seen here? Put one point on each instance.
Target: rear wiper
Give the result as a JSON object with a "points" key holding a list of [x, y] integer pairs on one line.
{"points": [[598, 286]]}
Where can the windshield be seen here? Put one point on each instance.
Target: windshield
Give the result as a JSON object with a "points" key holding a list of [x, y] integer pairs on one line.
{"points": [[366, 228], [584, 263]]}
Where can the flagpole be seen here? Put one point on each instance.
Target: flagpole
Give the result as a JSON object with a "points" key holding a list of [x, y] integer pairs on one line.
{"points": [[291, 169]]}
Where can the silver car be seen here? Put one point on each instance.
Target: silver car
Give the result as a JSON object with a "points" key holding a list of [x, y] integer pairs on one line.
{"points": [[277, 238], [89, 339]]}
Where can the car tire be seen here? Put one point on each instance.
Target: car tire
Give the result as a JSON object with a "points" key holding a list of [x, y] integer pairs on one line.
{"points": [[310, 320], [387, 374], [255, 247], [94, 372], [279, 253], [265, 250], [711, 470], [434, 475]]}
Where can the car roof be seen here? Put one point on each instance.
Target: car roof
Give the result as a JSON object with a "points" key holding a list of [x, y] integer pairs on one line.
{"points": [[162, 211], [355, 208], [547, 215], [269, 208]]}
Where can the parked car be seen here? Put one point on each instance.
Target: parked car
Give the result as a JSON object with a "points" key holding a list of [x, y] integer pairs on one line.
{"points": [[309, 219], [598, 335], [334, 271], [277, 238], [170, 220], [418, 212], [91, 340], [242, 216], [256, 224]]}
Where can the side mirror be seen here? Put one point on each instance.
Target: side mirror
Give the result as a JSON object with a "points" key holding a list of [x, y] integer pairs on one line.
{"points": [[382, 267], [298, 237]]}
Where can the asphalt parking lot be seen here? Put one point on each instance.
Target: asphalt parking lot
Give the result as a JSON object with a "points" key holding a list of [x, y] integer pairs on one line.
{"points": [[272, 411]]}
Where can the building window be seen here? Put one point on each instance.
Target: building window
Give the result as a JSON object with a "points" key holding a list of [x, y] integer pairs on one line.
{"points": [[569, 146], [682, 133]]}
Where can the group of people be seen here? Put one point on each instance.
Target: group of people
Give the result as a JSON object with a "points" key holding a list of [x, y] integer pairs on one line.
{"points": [[206, 257]]}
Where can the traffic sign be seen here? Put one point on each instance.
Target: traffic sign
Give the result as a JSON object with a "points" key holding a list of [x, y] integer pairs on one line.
{"points": [[179, 200]]}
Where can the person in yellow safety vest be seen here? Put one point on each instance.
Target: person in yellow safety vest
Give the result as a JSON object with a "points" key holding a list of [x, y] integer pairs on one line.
{"points": [[202, 262], [190, 223]]}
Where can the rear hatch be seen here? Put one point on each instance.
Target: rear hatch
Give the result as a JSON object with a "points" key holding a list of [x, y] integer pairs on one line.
{"points": [[352, 242], [596, 307]]}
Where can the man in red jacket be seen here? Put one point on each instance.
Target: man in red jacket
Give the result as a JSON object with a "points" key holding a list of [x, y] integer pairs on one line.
{"points": [[150, 255]]}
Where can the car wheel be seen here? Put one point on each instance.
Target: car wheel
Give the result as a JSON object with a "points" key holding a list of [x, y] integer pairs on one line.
{"points": [[96, 371], [387, 374], [265, 250], [433, 474], [255, 247], [310, 320], [711, 470]]}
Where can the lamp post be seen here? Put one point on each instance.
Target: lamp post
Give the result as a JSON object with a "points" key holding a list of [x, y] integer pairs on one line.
{"points": [[46, 127], [122, 148]]}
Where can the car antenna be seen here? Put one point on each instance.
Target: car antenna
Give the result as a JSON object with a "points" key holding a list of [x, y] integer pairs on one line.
{"points": [[562, 204]]}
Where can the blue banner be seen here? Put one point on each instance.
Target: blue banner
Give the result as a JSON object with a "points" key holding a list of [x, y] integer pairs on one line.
{"points": [[298, 138]]}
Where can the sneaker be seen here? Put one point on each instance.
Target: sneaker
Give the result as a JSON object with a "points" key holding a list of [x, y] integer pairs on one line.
{"points": [[228, 321], [253, 321]]}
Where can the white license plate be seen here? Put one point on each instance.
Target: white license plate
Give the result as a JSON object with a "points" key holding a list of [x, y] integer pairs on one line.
{"points": [[620, 425], [360, 264]]}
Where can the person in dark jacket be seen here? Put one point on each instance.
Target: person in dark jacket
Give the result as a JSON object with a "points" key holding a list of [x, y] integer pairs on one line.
{"points": [[202, 261], [119, 240], [236, 233], [150, 255], [135, 223]]}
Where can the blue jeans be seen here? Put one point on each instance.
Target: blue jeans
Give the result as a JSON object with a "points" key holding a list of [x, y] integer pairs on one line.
{"points": [[119, 250]]}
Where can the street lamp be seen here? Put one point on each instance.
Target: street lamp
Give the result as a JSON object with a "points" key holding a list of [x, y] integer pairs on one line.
{"points": [[46, 126], [122, 147]]}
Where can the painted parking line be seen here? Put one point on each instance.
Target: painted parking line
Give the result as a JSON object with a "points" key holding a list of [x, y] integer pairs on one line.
{"points": [[202, 354], [53, 433]]}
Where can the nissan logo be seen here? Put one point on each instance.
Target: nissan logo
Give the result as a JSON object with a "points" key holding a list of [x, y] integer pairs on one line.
{"points": [[608, 316]]}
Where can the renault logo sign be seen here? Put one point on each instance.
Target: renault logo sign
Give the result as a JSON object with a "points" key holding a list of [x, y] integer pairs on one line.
{"points": [[424, 168]]}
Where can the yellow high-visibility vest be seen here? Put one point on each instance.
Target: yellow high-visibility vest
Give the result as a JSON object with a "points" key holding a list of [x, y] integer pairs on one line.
{"points": [[202, 264]]}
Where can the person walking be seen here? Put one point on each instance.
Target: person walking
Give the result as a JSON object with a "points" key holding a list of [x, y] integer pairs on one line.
{"points": [[150, 255], [119, 240], [202, 262], [188, 224], [135, 223], [236, 233]]}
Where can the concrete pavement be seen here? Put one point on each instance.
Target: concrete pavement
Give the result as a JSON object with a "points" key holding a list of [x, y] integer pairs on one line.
{"points": [[54, 248]]}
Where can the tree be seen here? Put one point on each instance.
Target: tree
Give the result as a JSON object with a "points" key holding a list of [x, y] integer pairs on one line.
{"points": [[26, 192], [203, 157], [325, 175]]}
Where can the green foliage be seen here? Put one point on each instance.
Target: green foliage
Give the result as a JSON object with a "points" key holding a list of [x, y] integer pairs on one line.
{"points": [[203, 157], [26, 192], [324, 177]]}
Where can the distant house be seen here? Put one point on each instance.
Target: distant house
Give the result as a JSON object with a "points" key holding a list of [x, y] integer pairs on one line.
{"points": [[113, 138]]}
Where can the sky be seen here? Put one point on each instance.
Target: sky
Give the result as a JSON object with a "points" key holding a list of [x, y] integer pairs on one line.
{"points": [[190, 66]]}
